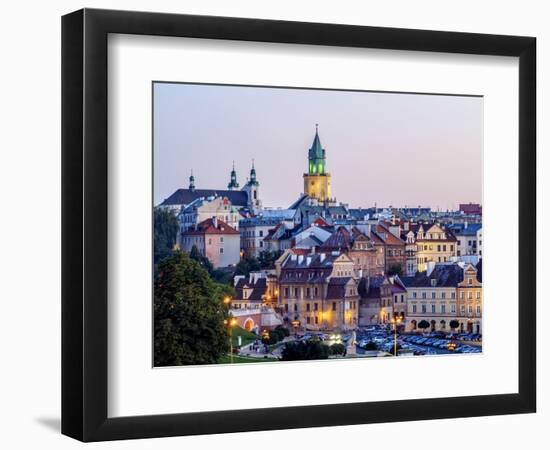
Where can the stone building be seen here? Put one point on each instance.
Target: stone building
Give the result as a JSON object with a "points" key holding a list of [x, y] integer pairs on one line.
{"points": [[214, 239], [434, 243], [319, 291], [470, 301], [393, 249]]}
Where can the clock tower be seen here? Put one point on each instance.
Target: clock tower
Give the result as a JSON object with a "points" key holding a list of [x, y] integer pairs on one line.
{"points": [[317, 180]]}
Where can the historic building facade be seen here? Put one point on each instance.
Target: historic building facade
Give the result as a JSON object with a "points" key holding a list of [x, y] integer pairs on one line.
{"points": [[214, 239], [434, 244], [470, 301], [319, 291]]}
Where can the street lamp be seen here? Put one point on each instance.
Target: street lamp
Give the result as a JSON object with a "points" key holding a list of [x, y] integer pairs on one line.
{"points": [[295, 325], [226, 300], [231, 322], [394, 321]]}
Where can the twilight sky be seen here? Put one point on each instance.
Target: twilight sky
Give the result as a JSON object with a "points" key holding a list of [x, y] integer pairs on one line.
{"points": [[392, 149]]}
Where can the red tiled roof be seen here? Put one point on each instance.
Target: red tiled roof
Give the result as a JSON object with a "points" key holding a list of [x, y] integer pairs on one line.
{"points": [[207, 227]]}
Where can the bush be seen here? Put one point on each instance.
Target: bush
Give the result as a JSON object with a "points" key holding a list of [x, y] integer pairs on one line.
{"points": [[312, 349], [371, 346], [337, 349], [423, 324], [454, 324]]}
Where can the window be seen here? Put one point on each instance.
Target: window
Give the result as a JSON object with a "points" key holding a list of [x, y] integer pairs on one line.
{"points": [[316, 306], [433, 294], [423, 295], [469, 281], [423, 308], [462, 309], [414, 294], [439, 248], [444, 248], [453, 308], [307, 307], [452, 248], [308, 320], [478, 295], [402, 298], [478, 309], [414, 308], [286, 292], [334, 306], [296, 292], [443, 295], [453, 295], [442, 309], [295, 307], [470, 309], [308, 292], [261, 233], [462, 295], [469, 295], [433, 308], [316, 291], [316, 320]]}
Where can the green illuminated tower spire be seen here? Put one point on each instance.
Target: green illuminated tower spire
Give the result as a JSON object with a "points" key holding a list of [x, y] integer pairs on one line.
{"points": [[316, 155]]}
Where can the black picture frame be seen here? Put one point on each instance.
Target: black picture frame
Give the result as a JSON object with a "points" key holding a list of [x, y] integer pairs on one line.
{"points": [[84, 224]]}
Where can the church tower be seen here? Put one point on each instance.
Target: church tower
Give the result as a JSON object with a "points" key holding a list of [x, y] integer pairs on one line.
{"points": [[317, 180], [233, 183], [191, 182], [252, 188]]}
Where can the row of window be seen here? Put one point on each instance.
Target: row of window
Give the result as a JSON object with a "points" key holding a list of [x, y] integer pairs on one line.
{"points": [[444, 295], [443, 309], [440, 248]]}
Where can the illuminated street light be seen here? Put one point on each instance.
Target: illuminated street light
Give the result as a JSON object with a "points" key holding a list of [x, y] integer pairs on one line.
{"points": [[227, 300], [394, 321], [231, 322]]}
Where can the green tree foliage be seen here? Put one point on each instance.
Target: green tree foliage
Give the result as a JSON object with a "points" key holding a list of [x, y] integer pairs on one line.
{"points": [[223, 276], [196, 255], [189, 314], [337, 349], [395, 270], [454, 324], [423, 324], [277, 335], [267, 259], [165, 230], [371, 345], [305, 350], [246, 265]]}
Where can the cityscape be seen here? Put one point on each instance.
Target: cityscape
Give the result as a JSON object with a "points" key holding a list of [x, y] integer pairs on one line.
{"points": [[237, 281]]}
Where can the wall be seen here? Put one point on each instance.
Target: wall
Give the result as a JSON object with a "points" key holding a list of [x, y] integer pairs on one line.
{"points": [[30, 174]]}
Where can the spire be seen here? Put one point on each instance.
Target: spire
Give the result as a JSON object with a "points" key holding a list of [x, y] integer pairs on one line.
{"points": [[233, 183], [253, 181], [316, 154], [191, 181]]}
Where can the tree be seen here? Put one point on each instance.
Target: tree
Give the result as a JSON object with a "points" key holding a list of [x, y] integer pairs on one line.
{"points": [[165, 231], [423, 324], [189, 314], [305, 350], [371, 345], [267, 259], [454, 324], [337, 349], [201, 259], [246, 265], [395, 270]]}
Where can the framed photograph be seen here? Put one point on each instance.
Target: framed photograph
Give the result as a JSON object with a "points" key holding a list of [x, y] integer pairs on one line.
{"points": [[273, 224]]}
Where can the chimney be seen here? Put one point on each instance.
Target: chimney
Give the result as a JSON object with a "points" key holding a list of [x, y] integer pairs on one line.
{"points": [[215, 221]]}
